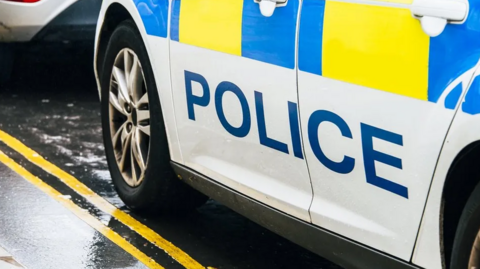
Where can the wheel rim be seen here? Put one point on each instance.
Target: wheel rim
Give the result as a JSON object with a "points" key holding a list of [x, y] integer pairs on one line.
{"points": [[129, 117], [474, 261]]}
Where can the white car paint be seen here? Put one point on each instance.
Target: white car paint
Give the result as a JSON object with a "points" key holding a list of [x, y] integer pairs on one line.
{"points": [[347, 204], [269, 176]]}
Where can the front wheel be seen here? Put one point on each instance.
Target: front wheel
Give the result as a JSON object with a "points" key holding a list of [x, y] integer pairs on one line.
{"points": [[466, 246], [134, 134]]}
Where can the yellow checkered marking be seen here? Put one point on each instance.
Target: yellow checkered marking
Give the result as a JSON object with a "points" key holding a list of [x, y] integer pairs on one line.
{"points": [[375, 46], [199, 24]]}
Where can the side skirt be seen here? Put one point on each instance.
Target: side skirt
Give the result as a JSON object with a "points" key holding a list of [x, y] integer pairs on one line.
{"points": [[338, 249]]}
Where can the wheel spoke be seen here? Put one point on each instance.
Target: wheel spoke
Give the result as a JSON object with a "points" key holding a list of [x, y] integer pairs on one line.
{"points": [[145, 129], [127, 65], [143, 121], [135, 80], [143, 115], [126, 146], [143, 100], [133, 161], [121, 133], [119, 76], [125, 135], [134, 170], [115, 103], [137, 150]]}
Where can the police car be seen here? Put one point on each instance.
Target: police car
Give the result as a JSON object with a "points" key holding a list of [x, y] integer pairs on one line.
{"points": [[351, 127]]}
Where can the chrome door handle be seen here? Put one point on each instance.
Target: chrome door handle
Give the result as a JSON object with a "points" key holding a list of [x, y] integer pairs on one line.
{"points": [[435, 14], [267, 7]]}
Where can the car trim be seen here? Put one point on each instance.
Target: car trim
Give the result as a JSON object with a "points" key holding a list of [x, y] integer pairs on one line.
{"points": [[338, 249]]}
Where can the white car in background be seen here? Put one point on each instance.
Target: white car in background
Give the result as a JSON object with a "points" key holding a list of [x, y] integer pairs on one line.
{"points": [[43, 21]]}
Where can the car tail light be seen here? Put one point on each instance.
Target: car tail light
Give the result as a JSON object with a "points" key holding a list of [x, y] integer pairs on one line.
{"points": [[24, 1]]}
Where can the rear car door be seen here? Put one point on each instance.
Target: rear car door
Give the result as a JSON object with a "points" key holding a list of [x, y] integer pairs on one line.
{"points": [[377, 96], [235, 96]]}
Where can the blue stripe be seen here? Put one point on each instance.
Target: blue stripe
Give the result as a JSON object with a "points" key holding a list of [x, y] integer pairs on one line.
{"points": [[154, 14], [270, 40], [452, 98], [310, 36], [174, 24], [471, 105], [453, 52]]}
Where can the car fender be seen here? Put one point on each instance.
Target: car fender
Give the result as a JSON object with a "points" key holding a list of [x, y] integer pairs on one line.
{"points": [[464, 130]]}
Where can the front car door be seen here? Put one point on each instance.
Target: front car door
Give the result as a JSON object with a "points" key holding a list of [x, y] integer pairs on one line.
{"points": [[235, 96], [377, 96]]}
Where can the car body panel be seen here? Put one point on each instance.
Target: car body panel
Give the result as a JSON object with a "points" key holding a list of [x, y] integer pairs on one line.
{"points": [[233, 98], [387, 96], [465, 130]]}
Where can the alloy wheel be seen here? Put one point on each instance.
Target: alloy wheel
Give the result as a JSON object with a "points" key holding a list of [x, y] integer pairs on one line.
{"points": [[129, 117]]}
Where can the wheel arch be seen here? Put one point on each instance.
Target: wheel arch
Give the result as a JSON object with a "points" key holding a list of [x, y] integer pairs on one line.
{"points": [[462, 177], [454, 178], [115, 14]]}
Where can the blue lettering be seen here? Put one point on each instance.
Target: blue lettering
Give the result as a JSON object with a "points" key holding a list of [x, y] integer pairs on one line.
{"points": [[222, 88], [345, 166], [348, 163], [295, 130], [262, 129], [203, 100], [370, 156]]}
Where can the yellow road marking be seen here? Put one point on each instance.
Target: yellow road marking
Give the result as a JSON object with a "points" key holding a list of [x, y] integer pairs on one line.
{"points": [[102, 204], [79, 212]]}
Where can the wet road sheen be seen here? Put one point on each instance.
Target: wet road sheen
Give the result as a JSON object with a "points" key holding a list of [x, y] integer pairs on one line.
{"points": [[43, 234], [52, 107]]}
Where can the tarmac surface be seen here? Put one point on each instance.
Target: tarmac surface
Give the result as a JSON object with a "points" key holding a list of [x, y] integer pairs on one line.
{"points": [[61, 211]]}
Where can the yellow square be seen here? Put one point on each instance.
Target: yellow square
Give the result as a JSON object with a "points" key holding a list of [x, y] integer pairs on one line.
{"points": [[212, 24], [377, 47]]}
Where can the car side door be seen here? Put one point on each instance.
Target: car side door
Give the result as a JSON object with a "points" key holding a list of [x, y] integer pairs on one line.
{"points": [[377, 96], [235, 97]]}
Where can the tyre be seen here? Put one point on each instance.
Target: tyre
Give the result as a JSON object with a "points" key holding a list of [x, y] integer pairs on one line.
{"points": [[134, 134], [466, 245], [6, 62]]}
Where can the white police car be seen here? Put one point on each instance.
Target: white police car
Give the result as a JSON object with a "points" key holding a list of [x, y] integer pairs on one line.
{"points": [[351, 127]]}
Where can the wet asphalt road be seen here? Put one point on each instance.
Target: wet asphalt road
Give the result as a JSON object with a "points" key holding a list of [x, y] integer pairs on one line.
{"points": [[52, 106]]}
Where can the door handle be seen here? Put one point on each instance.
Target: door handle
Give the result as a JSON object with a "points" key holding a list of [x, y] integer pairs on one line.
{"points": [[267, 7], [435, 14]]}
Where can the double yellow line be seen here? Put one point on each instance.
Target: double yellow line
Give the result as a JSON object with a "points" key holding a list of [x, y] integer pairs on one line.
{"points": [[102, 204]]}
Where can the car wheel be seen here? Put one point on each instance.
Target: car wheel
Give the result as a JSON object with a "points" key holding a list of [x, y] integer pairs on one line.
{"points": [[466, 246], [6, 62], [134, 134]]}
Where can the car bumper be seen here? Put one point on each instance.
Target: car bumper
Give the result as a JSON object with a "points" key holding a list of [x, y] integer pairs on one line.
{"points": [[48, 20]]}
